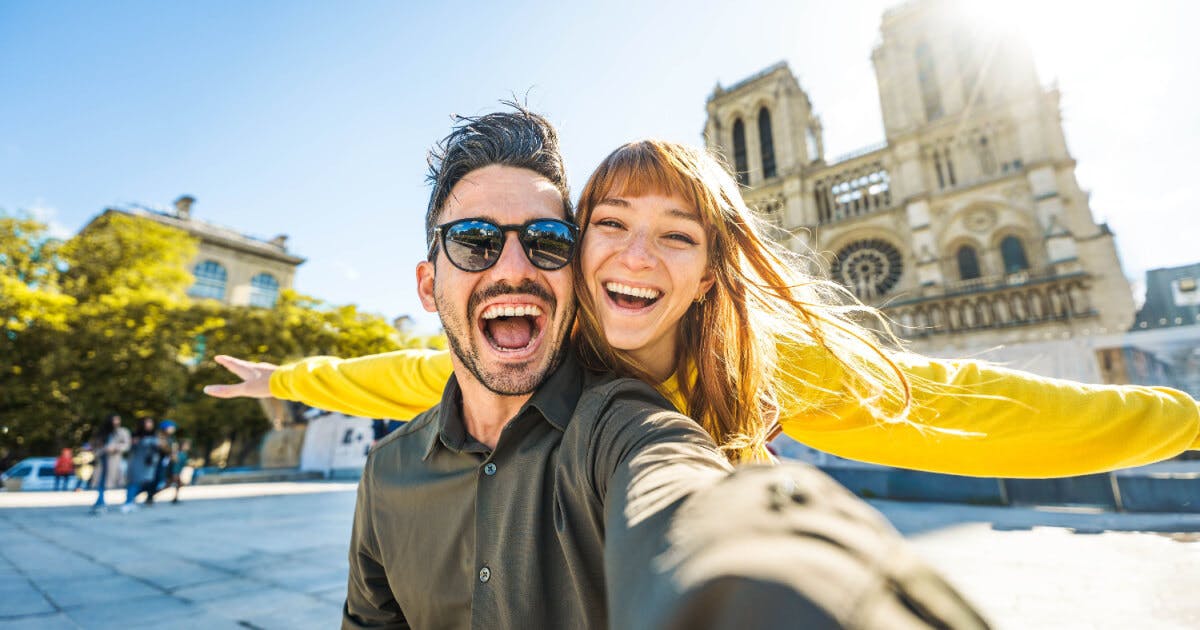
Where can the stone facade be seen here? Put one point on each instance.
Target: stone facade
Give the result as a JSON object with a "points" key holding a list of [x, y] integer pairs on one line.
{"points": [[229, 266], [966, 224]]}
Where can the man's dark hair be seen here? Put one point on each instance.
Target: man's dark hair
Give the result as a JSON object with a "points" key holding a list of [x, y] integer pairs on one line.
{"points": [[520, 138]]}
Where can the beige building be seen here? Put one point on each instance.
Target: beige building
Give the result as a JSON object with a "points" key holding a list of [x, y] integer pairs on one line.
{"points": [[966, 224], [229, 266]]}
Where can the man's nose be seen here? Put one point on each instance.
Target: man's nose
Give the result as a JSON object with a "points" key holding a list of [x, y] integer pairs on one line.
{"points": [[513, 262]]}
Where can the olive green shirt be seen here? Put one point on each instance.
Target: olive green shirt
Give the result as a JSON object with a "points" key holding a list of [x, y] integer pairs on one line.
{"points": [[450, 534]]}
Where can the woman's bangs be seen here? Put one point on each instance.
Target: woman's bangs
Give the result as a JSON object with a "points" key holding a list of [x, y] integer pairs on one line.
{"points": [[639, 170]]}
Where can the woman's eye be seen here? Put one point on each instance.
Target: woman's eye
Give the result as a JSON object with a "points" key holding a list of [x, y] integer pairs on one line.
{"points": [[612, 223], [682, 238]]}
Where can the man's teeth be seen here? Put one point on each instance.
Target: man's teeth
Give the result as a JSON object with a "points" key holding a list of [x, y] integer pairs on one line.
{"points": [[617, 287], [511, 310]]}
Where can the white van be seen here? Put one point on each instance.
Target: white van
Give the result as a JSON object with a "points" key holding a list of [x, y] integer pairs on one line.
{"points": [[31, 473]]}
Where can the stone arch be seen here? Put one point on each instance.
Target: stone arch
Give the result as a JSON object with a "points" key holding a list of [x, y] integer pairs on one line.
{"points": [[1020, 310], [1002, 311], [1037, 305]]}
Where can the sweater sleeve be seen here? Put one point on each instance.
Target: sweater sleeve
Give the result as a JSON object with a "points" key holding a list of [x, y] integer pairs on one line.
{"points": [[977, 419], [396, 385]]}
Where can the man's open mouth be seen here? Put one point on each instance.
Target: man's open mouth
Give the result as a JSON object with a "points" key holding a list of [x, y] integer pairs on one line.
{"points": [[512, 327], [634, 298]]}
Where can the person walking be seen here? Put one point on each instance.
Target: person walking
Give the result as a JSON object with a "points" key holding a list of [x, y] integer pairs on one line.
{"points": [[143, 460], [85, 468], [64, 470], [168, 447], [112, 441]]}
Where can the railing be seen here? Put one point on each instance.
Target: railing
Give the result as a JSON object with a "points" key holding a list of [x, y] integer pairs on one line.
{"points": [[1021, 299]]}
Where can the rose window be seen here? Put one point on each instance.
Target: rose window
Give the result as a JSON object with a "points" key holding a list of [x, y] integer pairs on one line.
{"points": [[870, 268]]}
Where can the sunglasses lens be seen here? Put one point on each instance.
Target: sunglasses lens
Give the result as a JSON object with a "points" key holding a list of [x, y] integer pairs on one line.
{"points": [[548, 244], [473, 245]]}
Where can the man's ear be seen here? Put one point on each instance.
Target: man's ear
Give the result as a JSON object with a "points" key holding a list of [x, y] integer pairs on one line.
{"points": [[425, 285]]}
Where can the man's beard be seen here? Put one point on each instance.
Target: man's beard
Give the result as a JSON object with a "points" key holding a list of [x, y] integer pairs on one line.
{"points": [[510, 379]]}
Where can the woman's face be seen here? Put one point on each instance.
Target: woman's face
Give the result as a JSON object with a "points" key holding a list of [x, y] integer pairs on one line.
{"points": [[645, 260]]}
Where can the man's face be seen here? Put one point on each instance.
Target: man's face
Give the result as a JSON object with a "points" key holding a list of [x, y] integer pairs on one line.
{"points": [[509, 355]]}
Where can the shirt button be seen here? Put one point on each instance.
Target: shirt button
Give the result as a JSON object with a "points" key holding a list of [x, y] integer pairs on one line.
{"points": [[485, 574], [489, 469]]}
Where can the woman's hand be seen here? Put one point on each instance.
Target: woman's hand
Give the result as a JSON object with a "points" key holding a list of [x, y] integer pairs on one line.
{"points": [[256, 379]]}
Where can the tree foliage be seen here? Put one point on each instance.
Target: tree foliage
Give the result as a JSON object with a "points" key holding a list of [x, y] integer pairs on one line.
{"points": [[102, 323]]}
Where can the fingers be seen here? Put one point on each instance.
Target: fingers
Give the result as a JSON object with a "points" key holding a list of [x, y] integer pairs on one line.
{"points": [[244, 369], [223, 391], [256, 379]]}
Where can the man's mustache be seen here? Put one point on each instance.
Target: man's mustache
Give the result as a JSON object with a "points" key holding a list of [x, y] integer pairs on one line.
{"points": [[527, 287]]}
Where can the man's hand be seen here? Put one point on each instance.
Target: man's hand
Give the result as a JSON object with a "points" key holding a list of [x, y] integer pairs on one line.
{"points": [[256, 379]]}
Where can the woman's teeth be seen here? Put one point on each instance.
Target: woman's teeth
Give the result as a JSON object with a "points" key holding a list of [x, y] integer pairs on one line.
{"points": [[624, 289], [509, 310]]}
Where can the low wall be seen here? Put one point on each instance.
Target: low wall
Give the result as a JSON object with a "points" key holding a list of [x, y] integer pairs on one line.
{"points": [[1133, 490]]}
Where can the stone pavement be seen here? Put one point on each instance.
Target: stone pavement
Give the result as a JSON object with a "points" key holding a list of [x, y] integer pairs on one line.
{"points": [[274, 556]]}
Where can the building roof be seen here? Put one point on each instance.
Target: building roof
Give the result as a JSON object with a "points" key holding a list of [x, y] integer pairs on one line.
{"points": [[275, 249], [1172, 298]]}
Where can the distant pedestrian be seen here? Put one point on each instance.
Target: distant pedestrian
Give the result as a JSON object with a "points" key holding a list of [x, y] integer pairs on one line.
{"points": [[143, 460], [112, 441], [177, 465], [168, 448], [64, 470], [85, 468]]}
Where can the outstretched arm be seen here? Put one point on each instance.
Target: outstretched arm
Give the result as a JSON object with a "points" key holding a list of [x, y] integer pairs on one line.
{"points": [[396, 385], [688, 545], [975, 418]]}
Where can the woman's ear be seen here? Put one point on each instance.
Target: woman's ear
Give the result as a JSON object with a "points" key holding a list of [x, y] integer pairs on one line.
{"points": [[706, 284], [425, 277]]}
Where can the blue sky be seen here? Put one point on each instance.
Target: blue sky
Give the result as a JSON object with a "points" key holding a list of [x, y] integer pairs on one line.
{"points": [[313, 119]]}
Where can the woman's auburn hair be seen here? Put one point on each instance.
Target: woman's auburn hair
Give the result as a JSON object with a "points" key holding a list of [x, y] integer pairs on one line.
{"points": [[761, 297]]}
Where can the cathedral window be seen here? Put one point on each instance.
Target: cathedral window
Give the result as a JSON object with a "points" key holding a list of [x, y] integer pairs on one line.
{"points": [[739, 153], [937, 166], [949, 167], [927, 76], [1013, 254], [968, 263], [870, 268], [264, 290], [766, 143], [987, 161], [810, 141], [210, 280]]}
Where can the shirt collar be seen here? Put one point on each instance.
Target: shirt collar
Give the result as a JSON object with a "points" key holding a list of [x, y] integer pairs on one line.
{"points": [[555, 400]]}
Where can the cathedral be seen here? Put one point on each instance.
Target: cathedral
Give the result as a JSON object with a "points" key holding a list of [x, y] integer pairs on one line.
{"points": [[966, 224]]}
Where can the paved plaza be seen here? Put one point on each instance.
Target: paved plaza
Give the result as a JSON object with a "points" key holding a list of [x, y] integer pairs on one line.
{"points": [[274, 556]]}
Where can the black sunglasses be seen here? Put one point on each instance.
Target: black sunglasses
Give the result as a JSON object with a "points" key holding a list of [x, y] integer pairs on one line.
{"points": [[476, 244]]}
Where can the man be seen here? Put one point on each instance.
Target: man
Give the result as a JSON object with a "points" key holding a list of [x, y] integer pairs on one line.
{"points": [[540, 495]]}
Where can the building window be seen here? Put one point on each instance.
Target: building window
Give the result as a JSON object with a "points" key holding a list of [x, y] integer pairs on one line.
{"points": [[1013, 254], [767, 143], [869, 268], [210, 281], [810, 142], [739, 153], [927, 76], [968, 263], [264, 290]]}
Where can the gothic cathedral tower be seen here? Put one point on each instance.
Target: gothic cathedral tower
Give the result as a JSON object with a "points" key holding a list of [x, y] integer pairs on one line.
{"points": [[966, 225]]}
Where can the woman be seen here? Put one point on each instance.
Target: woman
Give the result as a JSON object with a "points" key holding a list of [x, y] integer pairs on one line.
{"points": [[680, 286], [112, 441], [143, 461]]}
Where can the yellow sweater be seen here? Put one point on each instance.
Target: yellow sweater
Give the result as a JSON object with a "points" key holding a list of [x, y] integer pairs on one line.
{"points": [[980, 420]]}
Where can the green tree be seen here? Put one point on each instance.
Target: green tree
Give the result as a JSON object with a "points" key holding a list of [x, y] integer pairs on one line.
{"points": [[102, 323]]}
